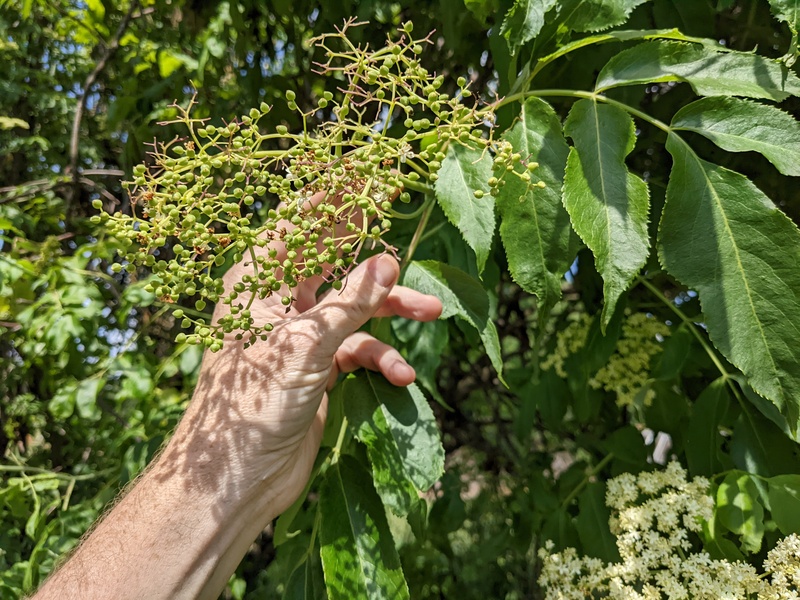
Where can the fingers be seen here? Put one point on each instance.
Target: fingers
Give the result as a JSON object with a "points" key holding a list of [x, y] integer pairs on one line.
{"points": [[410, 304], [338, 315], [363, 350], [406, 303]]}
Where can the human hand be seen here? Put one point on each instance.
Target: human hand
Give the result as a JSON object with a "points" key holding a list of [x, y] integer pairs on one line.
{"points": [[256, 421], [245, 448]]}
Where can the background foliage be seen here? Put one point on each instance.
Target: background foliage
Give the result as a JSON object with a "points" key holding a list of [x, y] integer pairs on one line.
{"points": [[92, 382]]}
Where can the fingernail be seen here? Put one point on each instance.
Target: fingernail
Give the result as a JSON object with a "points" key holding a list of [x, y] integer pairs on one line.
{"points": [[402, 370], [384, 270]]}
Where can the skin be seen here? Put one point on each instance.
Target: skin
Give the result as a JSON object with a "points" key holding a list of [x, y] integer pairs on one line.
{"points": [[244, 450]]}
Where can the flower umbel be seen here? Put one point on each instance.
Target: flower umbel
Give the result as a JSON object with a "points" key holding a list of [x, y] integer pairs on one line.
{"points": [[656, 518]]}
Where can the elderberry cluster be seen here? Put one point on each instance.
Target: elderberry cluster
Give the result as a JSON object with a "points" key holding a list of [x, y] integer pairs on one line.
{"points": [[331, 188]]}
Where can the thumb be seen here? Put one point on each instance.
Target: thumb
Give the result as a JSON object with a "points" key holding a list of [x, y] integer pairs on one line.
{"points": [[340, 314]]}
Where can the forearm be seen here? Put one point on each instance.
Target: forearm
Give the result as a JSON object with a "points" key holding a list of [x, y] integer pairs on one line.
{"points": [[179, 533]]}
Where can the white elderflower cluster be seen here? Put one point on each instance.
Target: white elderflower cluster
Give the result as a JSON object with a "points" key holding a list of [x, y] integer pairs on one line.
{"points": [[655, 517], [783, 562], [568, 341], [628, 370]]}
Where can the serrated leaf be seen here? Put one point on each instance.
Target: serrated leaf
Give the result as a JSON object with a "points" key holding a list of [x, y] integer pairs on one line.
{"points": [[463, 171], [784, 501], [461, 296], [593, 529], [739, 509], [534, 225], [595, 15], [740, 125], [625, 36], [710, 73], [787, 11], [399, 430], [359, 558], [608, 205], [524, 21], [720, 235], [704, 441]]}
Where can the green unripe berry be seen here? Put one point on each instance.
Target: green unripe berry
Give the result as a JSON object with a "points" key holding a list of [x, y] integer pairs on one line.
{"points": [[290, 95]]}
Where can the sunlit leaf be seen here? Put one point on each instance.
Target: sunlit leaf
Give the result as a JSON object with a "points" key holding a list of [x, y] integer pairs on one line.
{"points": [[710, 73], [721, 236], [607, 204]]}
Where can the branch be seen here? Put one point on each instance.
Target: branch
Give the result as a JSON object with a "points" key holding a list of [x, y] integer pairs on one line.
{"points": [[108, 52]]}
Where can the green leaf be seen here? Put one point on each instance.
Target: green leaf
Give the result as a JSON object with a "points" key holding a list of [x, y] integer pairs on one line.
{"points": [[704, 442], [784, 501], [464, 171], [759, 447], [593, 529], [400, 432], [720, 235], [86, 398], [461, 296], [740, 125], [481, 9], [787, 11], [305, 582], [62, 404], [558, 527], [675, 352], [739, 509], [623, 36], [12, 122], [359, 558], [716, 544], [425, 345], [524, 22], [627, 445], [710, 73], [595, 15], [96, 9], [535, 226], [607, 204]]}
